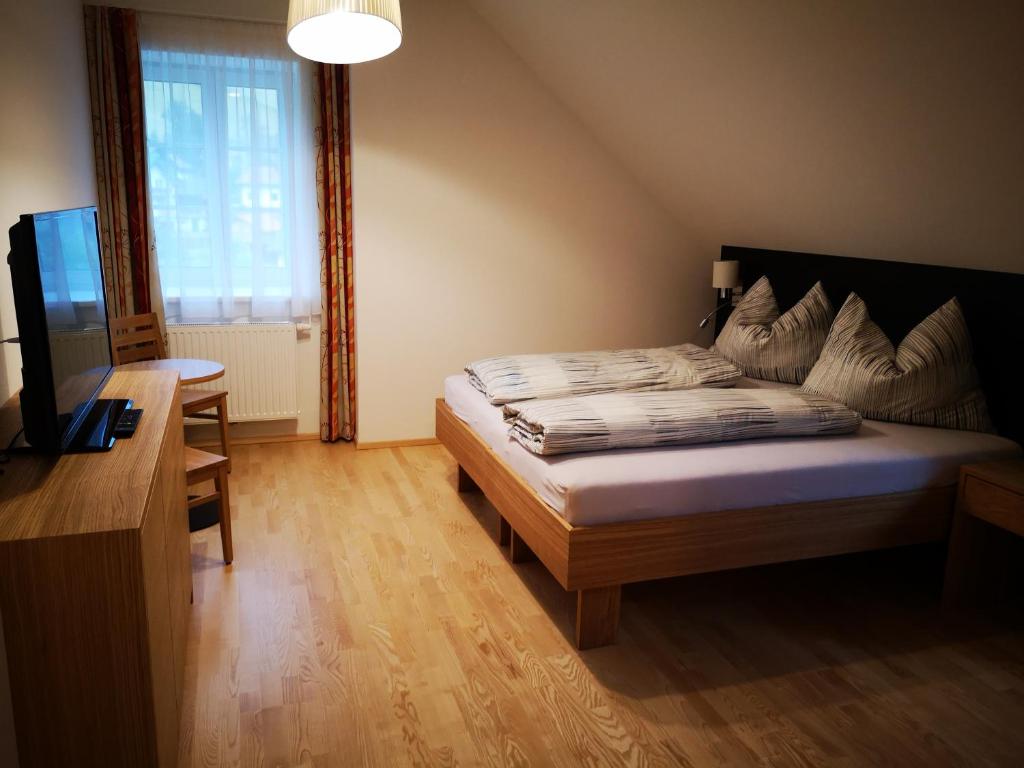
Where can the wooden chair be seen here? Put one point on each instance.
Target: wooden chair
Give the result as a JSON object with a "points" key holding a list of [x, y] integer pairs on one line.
{"points": [[201, 466], [136, 338]]}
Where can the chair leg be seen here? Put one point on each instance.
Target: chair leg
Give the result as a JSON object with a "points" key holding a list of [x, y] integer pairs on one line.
{"points": [[225, 515], [222, 421]]}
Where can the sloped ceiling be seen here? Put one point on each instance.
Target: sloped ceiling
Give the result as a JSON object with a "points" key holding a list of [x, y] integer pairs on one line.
{"points": [[868, 128]]}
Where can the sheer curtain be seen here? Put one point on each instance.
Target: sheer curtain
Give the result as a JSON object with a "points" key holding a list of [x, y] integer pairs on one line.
{"points": [[229, 140]]}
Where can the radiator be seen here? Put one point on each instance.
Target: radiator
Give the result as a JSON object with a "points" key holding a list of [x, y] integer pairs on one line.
{"points": [[259, 365]]}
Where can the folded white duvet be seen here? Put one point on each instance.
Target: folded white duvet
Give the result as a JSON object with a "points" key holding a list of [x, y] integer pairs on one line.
{"points": [[531, 377], [648, 419]]}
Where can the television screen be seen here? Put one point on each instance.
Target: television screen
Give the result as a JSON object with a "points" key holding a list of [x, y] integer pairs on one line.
{"points": [[76, 315], [62, 325]]}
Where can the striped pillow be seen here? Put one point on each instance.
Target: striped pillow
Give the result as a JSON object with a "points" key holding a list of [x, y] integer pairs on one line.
{"points": [[775, 348], [930, 379]]}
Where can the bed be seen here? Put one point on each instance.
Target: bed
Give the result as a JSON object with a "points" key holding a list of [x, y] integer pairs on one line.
{"points": [[604, 519]]}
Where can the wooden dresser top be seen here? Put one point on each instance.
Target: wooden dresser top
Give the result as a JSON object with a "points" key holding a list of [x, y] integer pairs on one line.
{"points": [[44, 496]]}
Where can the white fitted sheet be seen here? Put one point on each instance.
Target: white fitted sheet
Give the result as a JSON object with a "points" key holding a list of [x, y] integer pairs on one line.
{"points": [[647, 483]]}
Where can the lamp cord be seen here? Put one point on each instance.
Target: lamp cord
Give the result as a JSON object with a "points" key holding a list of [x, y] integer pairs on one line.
{"points": [[5, 454]]}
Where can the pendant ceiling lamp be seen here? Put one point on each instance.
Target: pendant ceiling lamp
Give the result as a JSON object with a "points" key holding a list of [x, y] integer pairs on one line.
{"points": [[344, 31]]}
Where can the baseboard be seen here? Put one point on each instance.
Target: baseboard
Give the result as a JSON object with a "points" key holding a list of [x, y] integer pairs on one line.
{"points": [[363, 446], [258, 440]]}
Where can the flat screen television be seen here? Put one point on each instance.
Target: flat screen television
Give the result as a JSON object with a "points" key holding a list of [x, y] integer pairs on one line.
{"points": [[62, 327]]}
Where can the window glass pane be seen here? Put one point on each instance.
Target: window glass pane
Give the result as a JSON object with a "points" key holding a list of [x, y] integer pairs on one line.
{"points": [[239, 116], [179, 183], [222, 170]]}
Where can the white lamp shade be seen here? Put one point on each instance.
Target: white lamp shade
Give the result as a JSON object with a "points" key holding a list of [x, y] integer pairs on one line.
{"points": [[344, 31], [726, 274]]}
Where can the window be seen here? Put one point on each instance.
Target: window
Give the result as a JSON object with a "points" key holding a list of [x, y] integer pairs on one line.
{"points": [[231, 170]]}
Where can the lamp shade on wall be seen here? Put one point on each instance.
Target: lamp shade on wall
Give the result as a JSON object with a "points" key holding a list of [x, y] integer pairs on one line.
{"points": [[726, 274], [344, 31]]}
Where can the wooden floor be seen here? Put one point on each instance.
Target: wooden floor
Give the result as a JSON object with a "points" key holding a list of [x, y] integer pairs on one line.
{"points": [[369, 619]]}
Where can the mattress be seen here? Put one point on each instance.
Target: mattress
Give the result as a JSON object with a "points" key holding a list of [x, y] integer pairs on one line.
{"points": [[648, 483]]}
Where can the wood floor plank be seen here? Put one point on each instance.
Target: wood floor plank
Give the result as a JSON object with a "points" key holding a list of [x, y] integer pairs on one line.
{"points": [[371, 619]]}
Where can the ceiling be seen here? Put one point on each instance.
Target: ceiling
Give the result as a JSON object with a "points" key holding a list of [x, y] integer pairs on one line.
{"points": [[870, 128]]}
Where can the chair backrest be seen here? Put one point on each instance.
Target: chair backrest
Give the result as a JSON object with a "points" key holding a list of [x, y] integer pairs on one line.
{"points": [[136, 337]]}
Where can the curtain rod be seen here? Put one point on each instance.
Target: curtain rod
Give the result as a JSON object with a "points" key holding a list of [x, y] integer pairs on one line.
{"points": [[211, 17]]}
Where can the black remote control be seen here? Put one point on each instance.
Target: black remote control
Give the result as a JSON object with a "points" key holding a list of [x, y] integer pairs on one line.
{"points": [[127, 423]]}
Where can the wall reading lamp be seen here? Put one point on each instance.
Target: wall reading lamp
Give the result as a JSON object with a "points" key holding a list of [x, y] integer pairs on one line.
{"points": [[725, 276]]}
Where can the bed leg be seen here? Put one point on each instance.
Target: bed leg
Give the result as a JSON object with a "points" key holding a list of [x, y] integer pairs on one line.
{"points": [[504, 532], [466, 484], [597, 616], [518, 551]]}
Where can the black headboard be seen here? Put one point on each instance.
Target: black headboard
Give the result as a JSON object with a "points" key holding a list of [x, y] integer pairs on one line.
{"points": [[900, 295]]}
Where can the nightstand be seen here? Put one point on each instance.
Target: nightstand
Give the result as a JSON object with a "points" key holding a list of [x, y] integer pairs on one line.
{"points": [[989, 511]]}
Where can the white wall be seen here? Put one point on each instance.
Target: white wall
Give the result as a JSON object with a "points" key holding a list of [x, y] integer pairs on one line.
{"points": [[46, 163], [616, 146], [46, 158], [488, 220]]}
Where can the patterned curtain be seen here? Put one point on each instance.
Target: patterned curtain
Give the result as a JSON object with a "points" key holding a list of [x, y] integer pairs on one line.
{"points": [[126, 231], [334, 200]]}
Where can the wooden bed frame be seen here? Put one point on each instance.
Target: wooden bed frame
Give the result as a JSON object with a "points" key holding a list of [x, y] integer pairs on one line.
{"points": [[595, 561]]}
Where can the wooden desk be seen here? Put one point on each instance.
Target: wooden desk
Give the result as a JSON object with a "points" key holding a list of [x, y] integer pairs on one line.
{"points": [[95, 583], [990, 502]]}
